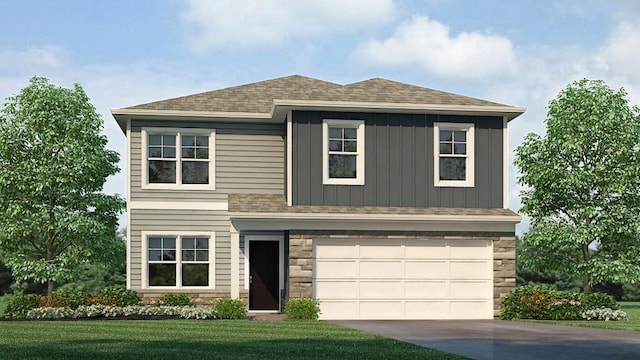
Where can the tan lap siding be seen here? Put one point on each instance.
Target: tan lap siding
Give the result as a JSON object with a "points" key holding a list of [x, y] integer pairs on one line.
{"points": [[249, 163], [175, 221]]}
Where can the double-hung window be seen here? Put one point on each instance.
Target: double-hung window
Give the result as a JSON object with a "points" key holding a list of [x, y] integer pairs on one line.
{"points": [[179, 260], [343, 152], [453, 154], [178, 158]]}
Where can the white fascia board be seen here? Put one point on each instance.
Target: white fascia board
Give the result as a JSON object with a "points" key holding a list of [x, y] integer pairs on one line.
{"points": [[378, 222], [123, 115], [511, 112], [377, 217], [142, 113], [370, 225]]}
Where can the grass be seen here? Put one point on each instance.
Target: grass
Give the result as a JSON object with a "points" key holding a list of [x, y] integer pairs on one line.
{"points": [[198, 339], [632, 323]]}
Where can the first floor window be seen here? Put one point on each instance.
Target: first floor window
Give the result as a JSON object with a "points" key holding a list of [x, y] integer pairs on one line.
{"points": [[453, 151], [343, 152], [178, 261], [182, 157]]}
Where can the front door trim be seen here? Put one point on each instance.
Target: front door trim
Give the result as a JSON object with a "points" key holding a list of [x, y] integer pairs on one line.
{"points": [[247, 258]]}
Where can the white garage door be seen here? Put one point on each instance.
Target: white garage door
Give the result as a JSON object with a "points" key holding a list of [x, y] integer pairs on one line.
{"points": [[403, 279]]}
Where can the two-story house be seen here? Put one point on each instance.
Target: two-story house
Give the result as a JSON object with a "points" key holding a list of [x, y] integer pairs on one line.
{"points": [[380, 199]]}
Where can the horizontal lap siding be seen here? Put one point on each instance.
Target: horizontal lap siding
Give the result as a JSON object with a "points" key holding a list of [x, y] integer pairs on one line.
{"points": [[250, 163], [249, 158], [175, 221], [399, 162]]}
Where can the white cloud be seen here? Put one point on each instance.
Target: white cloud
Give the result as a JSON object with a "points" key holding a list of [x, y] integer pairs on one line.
{"points": [[429, 45], [622, 51], [40, 57], [235, 24]]}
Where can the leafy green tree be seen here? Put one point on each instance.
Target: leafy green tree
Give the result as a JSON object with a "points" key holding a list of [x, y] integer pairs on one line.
{"points": [[53, 165], [582, 186], [94, 277]]}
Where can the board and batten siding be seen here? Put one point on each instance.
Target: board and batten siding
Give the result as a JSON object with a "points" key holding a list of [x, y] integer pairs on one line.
{"points": [[174, 222], [398, 162], [249, 158]]}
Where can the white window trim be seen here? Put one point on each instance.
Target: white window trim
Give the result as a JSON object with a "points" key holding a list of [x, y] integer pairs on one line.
{"points": [[470, 168], [178, 132], [178, 235], [359, 126]]}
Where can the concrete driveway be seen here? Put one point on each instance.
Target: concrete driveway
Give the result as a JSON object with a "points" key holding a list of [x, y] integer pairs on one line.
{"points": [[495, 339]]}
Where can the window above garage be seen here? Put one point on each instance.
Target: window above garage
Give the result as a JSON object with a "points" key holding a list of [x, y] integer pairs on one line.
{"points": [[453, 154], [343, 152]]}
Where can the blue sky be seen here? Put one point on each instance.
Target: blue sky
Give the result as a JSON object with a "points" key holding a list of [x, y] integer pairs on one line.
{"points": [[519, 52]]}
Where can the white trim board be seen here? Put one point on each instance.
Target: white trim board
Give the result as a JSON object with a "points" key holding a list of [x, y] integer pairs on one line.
{"points": [[179, 205], [128, 206], [265, 222]]}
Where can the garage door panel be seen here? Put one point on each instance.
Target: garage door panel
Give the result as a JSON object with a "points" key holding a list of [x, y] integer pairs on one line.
{"points": [[381, 310], [426, 289], [426, 269], [427, 309], [381, 289], [470, 269], [426, 249], [336, 289], [336, 249], [336, 268], [470, 289], [469, 249], [336, 310], [381, 249], [470, 309], [380, 269]]}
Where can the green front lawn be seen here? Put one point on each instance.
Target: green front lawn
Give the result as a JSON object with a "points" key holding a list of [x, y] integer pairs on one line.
{"points": [[198, 339], [631, 324]]}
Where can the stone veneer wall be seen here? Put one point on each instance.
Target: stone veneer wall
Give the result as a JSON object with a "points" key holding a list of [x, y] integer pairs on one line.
{"points": [[504, 270], [301, 263]]}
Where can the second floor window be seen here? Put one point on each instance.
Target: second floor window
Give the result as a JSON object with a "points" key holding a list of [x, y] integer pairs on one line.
{"points": [[179, 158], [343, 152], [454, 148]]}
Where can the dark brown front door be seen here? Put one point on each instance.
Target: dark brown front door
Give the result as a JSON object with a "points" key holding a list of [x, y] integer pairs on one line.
{"points": [[263, 275]]}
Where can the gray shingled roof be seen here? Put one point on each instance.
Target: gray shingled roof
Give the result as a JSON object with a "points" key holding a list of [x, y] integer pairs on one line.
{"points": [[258, 97]]}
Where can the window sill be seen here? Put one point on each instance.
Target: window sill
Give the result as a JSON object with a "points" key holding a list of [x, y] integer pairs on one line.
{"points": [[452, 183], [354, 182]]}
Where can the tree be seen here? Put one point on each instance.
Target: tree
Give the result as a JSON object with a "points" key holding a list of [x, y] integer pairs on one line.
{"points": [[53, 165], [582, 186]]}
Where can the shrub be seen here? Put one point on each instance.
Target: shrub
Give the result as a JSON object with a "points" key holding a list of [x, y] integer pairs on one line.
{"points": [[605, 314], [54, 300], [541, 302], [75, 295], [230, 309], [175, 300], [598, 300], [545, 303], [302, 309], [121, 296], [99, 299], [19, 304], [93, 311]]}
